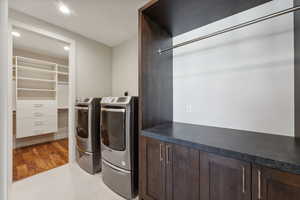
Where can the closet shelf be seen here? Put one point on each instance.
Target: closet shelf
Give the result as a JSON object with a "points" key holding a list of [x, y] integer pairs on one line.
{"points": [[36, 69], [63, 66], [38, 90], [35, 61], [63, 73], [63, 83], [36, 79]]}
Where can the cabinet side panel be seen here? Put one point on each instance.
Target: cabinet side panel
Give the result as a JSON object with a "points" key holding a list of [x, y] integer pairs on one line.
{"points": [[155, 74], [297, 70]]}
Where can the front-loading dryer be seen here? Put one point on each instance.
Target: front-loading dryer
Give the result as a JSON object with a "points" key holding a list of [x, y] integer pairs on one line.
{"points": [[119, 144]]}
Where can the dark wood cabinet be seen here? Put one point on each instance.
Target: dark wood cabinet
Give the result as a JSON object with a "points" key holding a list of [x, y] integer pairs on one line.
{"points": [[175, 172], [152, 169], [182, 173], [270, 184], [224, 178], [168, 172]]}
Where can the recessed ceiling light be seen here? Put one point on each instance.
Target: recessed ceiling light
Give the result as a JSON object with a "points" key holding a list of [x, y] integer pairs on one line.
{"points": [[16, 34], [66, 48], [64, 8]]}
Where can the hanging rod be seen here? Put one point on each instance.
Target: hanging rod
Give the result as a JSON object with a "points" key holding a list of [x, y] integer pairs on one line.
{"points": [[226, 30]]}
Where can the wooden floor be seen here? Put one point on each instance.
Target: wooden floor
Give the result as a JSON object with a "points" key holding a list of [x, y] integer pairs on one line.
{"points": [[28, 161]]}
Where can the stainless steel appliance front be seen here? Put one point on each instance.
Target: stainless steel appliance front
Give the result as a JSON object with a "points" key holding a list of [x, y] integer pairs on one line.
{"points": [[118, 144], [115, 135], [88, 154], [117, 179], [83, 127]]}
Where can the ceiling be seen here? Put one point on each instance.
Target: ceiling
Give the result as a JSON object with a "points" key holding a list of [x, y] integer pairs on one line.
{"points": [[107, 21], [39, 44]]}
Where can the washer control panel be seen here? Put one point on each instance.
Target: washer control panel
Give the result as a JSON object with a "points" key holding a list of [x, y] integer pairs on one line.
{"points": [[116, 100], [83, 101]]}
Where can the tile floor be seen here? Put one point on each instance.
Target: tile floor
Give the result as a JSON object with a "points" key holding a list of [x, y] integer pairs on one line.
{"points": [[68, 182]]}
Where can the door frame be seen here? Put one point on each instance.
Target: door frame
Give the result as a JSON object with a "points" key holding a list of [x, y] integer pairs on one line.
{"points": [[72, 88], [4, 99]]}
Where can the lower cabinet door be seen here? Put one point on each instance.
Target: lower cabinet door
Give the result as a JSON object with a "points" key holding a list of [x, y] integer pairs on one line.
{"points": [[182, 173], [152, 169], [270, 184], [24, 127], [224, 178]]}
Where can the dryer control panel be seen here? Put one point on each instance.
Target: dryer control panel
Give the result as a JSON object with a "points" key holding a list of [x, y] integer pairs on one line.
{"points": [[116, 100]]}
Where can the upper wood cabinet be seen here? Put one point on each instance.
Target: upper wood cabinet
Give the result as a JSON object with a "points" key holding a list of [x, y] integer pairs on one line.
{"points": [[224, 178], [270, 184]]}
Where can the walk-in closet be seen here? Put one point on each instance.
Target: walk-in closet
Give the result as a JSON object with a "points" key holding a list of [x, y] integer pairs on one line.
{"points": [[40, 103]]}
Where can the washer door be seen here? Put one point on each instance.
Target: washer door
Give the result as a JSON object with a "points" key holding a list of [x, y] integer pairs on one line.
{"points": [[83, 128], [113, 128]]}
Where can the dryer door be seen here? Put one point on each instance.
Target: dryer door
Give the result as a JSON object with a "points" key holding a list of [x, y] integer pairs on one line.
{"points": [[113, 129]]}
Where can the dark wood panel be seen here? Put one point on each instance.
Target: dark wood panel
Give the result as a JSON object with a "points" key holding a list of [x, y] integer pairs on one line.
{"points": [[297, 69], [224, 178], [152, 169], [180, 16], [270, 184], [155, 75], [182, 173]]}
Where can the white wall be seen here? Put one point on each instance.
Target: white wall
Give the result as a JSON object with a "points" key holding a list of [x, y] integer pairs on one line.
{"points": [[93, 59], [125, 68], [241, 80], [4, 96]]}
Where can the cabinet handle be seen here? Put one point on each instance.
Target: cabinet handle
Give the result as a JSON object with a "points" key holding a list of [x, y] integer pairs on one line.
{"points": [[243, 180], [167, 154], [160, 152], [259, 184]]}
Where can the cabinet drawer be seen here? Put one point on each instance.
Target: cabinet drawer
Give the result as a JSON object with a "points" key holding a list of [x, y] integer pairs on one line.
{"points": [[31, 126], [36, 108], [45, 125], [24, 128]]}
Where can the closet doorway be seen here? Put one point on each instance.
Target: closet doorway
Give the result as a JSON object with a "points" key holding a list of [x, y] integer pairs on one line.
{"points": [[42, 101]]}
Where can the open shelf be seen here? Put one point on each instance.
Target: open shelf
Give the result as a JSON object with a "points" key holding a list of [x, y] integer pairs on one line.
{"points": [[36, 69], [36, 79], [40, 80], [63, 83], [37, 90], [63, 73], [63, 66], [34, 61]]}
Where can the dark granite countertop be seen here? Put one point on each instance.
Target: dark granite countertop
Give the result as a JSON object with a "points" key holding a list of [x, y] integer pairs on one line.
{"points": [[279, 152]]}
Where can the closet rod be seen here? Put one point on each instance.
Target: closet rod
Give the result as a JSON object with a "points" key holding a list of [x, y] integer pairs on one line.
{"points": [[232, 28]]}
